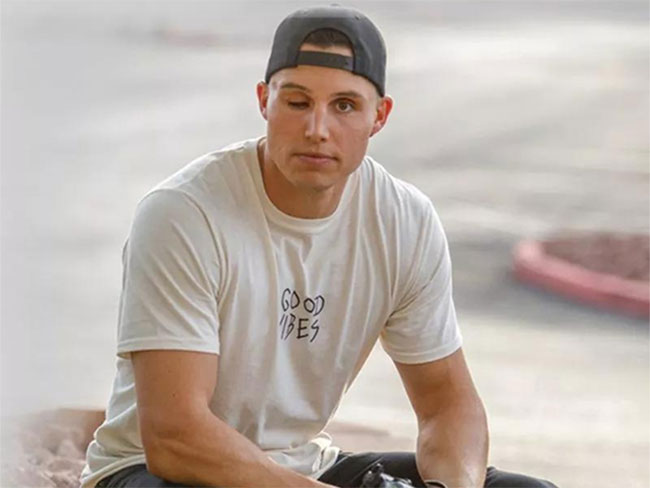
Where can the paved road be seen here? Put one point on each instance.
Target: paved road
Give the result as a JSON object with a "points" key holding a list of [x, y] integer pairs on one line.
{"points": [[516, 118]]}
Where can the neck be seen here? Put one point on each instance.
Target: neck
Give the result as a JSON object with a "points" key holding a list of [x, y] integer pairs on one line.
{"points": [[301, 202]]}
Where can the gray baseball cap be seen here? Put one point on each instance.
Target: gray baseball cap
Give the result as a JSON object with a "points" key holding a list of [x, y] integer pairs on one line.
{"points": [[369, 51]]}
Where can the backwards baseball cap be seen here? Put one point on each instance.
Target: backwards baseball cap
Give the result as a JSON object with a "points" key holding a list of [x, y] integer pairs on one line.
{"points": [[369, 52]]}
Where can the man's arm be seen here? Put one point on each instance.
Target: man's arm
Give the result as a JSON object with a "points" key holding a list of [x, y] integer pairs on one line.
{"points": [[183, 440], [452, 444]]}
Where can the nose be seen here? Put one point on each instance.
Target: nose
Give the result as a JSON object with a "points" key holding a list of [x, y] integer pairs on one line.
{"points": [[317, 129]]}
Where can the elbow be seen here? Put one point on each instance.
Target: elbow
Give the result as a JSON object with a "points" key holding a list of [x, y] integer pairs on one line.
{"points": [[165, 450], [155, 466], [173, 443], [159, 460]]}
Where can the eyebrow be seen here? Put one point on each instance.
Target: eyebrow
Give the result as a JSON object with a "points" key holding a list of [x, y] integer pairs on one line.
{"points": [[289, 85], [295, 86], [349, 94]]}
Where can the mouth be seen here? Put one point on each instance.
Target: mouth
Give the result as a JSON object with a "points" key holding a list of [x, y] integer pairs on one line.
{"points": [[315, 157]]}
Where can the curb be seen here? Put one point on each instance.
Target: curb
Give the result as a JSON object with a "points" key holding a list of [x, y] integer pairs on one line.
{"points": [[534, 266], [53, 427]]}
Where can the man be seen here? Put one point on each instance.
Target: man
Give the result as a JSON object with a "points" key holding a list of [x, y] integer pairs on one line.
{"points": [[257, 280]]}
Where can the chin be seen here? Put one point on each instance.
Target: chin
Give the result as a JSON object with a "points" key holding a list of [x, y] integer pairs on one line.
{"points": [[314, 184]]}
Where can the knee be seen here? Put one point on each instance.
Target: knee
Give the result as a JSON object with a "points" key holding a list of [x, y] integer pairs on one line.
{"points": [[503, 479]]}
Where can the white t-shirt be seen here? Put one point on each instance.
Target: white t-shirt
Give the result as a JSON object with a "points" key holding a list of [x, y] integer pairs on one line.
{"points": [[292, 306]]}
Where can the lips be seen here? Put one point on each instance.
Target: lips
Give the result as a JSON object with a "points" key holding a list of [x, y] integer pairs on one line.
{"points": [[315, 157]]}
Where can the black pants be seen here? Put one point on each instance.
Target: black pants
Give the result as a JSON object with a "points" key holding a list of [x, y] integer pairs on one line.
{"points": [[347, 472]]}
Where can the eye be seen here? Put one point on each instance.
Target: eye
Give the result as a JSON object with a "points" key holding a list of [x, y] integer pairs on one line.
{"points": [[345, 106], [298, 105]]}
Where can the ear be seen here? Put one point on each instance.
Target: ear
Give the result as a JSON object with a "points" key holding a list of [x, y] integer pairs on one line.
{"points": [[262, 91], [384, 107]]}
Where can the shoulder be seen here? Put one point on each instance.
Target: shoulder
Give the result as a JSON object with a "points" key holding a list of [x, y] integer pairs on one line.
{"points": [[170, 228], [165, 204], [211, 168], [403, 211], [394, 196], [218, 178]]}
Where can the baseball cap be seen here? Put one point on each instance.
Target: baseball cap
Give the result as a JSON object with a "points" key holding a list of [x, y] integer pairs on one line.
{"points": [[369, 51]]}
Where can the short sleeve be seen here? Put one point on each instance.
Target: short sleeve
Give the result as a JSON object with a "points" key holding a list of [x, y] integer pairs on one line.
{"points": [[170, 278], [423, 326]]}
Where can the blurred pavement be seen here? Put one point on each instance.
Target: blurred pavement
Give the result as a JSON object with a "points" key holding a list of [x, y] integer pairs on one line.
{"points": [[516, 118]]}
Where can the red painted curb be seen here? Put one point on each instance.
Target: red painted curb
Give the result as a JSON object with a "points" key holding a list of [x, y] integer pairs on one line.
{"points": [[533, 265]]}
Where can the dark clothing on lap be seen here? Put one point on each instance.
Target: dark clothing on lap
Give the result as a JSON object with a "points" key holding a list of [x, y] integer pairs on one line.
{"points": [[347, 472]]}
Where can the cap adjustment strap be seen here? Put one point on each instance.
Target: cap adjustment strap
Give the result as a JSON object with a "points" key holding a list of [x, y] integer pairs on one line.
{"points": [[329, 60]]}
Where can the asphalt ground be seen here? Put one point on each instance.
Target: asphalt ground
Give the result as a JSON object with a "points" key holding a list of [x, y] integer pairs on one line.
{"points": [[518, 119]]}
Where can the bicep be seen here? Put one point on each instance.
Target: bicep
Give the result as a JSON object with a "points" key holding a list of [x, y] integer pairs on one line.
{"points": [[171, 279], [423, 326], [173, 390], [433, 385]]}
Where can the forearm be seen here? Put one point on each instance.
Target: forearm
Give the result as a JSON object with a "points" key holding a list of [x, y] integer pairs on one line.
{"points": [[210, 453], [452, 446]]}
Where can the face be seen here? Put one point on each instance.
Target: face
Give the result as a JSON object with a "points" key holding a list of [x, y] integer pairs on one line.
{"points": [[319, 122]]}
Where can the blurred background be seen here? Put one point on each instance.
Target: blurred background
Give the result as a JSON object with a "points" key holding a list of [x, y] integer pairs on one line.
{"points": [[517, 118]]}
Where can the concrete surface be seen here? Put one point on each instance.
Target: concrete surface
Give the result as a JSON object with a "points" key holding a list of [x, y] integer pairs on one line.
{"points": [[516, 118]]}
